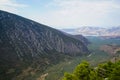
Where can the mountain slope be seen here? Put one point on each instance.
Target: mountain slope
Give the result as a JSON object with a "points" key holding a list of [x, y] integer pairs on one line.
{"points": [[82, 38], [25, 42]]}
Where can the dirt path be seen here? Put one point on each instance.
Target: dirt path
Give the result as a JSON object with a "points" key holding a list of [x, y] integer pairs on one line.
{"points": [[42, 77]]}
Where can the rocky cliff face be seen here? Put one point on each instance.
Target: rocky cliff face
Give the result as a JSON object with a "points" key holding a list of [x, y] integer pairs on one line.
{"points": [[21, 38]]}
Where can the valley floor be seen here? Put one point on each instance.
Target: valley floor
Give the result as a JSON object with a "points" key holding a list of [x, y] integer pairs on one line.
{"points": [[97, 56]]}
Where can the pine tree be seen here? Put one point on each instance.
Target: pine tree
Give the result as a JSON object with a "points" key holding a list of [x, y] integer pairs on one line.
{"points": [[105, 71]]}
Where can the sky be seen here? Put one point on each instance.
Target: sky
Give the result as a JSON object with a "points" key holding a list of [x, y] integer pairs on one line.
{"points": [[67, 13]]}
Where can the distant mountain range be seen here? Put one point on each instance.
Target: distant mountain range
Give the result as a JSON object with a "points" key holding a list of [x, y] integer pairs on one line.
{"points": [[113, 32], [25, 43]]}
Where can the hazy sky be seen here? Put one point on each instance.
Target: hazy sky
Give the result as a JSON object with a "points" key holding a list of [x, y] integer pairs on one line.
{"points": [[67, 13]]}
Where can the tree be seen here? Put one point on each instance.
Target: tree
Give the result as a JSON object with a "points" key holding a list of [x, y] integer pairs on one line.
{"points": [[82, 72], [68, 76], [115, 75], [105, 71]]}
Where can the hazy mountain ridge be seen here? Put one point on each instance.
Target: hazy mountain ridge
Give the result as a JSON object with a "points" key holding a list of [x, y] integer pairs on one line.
{"points": [[111, 32]]}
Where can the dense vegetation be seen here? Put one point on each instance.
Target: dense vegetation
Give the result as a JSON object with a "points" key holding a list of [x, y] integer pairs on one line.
{"points": [[104, 71]]}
